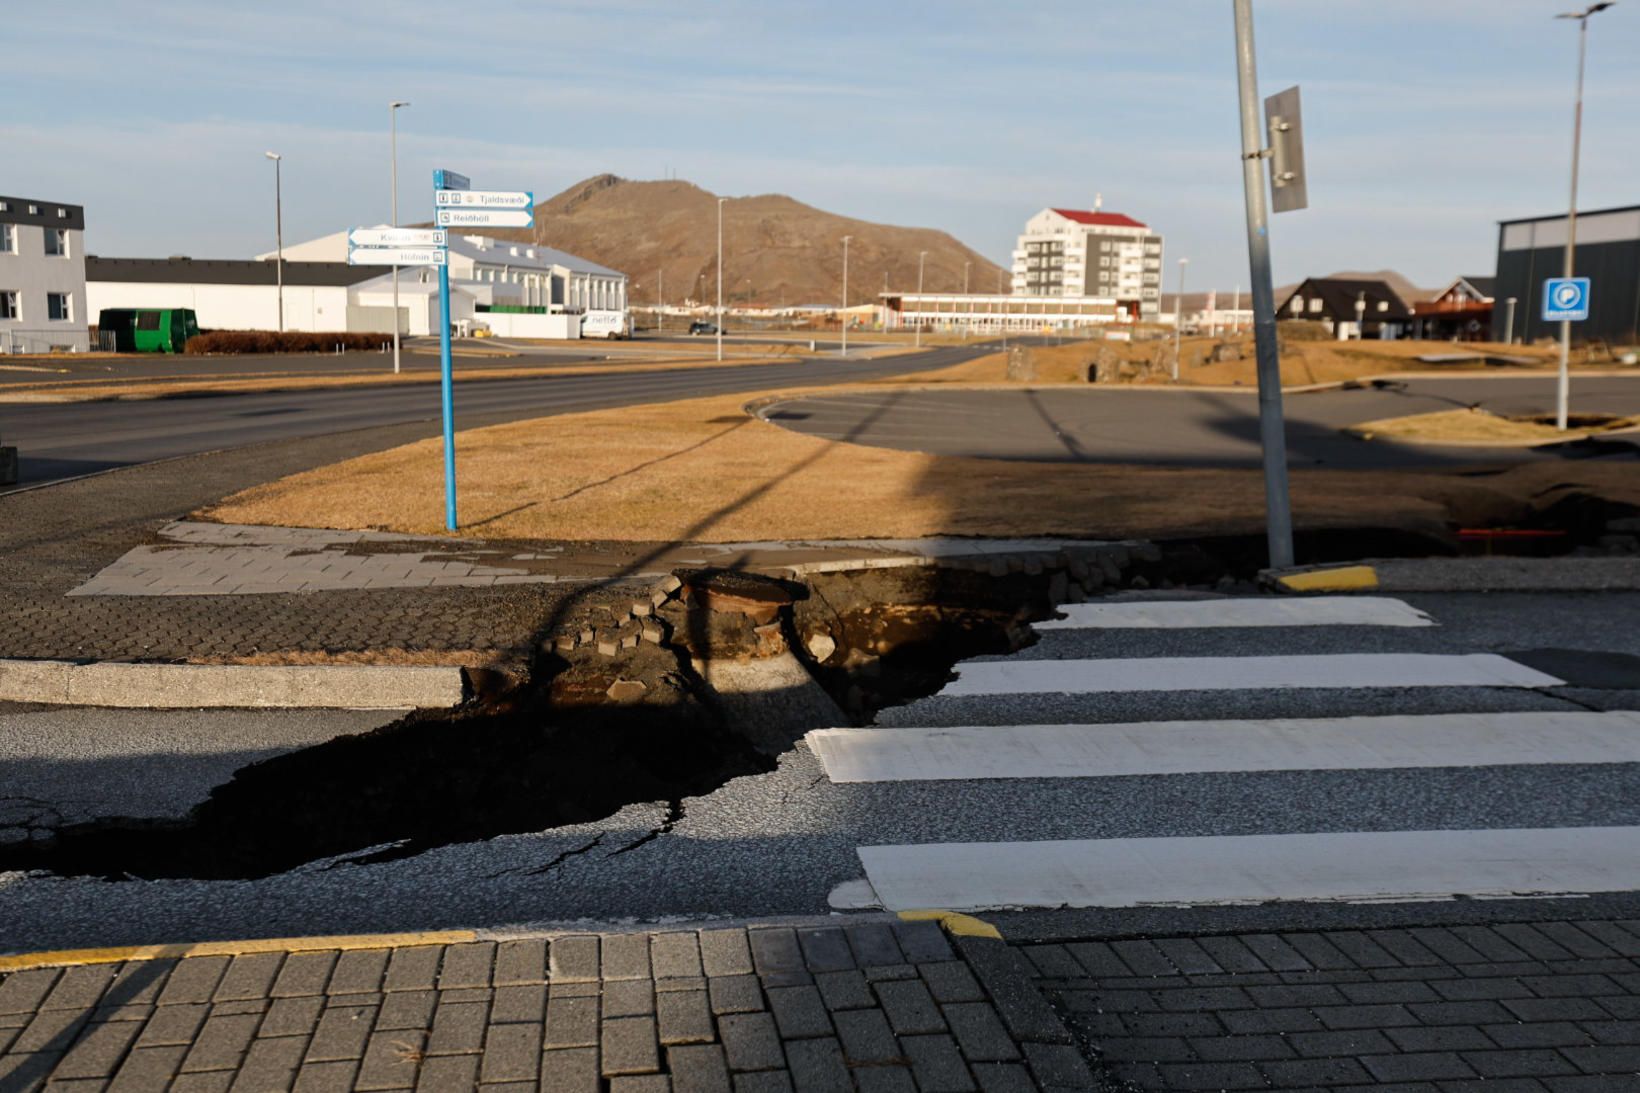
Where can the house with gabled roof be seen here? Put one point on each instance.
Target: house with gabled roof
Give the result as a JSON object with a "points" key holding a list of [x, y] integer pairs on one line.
{"points": [[1461, 312], [1349, 308]]}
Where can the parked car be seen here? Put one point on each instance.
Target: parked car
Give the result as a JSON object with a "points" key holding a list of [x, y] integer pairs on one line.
{"points": [[699, 327]]}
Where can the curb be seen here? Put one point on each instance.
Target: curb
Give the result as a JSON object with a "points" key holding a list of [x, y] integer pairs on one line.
{"points": [[1347, 578], [121, 953], [195, 686]]}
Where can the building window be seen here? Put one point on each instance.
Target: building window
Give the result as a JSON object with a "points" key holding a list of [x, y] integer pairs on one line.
{"points": [[8, 304], [59, 307], [57, 242], [1315, 305], [8, 239]]}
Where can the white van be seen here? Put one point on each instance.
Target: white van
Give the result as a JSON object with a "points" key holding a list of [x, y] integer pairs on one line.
{"points": [[609, 325]]}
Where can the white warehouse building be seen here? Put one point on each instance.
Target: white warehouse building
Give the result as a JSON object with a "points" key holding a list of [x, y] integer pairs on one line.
{"points": [[42, 276], [323, 293]]}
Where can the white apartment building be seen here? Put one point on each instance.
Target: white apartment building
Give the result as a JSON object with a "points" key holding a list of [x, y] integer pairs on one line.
{"points": [[42, 276], [1091, 253]]}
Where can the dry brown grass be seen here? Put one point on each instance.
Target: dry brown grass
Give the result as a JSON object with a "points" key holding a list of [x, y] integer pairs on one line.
{"points": [[1480, 427], [706, 470]]}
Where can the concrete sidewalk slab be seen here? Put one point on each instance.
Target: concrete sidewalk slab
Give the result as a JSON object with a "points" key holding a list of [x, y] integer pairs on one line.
{"points": [[203, 559], [187, 686]]}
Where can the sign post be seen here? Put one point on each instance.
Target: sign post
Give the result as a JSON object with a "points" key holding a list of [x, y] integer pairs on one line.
{"points": [[1286, 151], [444, 181], [456, 204]]}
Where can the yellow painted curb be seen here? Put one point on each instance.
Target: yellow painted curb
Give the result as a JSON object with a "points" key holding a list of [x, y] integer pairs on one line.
{"points": [[1344, 579], [954, 923], [119, 954]]}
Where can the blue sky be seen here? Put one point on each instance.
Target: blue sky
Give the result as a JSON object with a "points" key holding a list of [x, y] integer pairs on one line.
{"points": [[1426, 122]]}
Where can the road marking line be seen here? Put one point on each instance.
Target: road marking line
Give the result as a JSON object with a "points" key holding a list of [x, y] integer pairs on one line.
{"points": [[122, 953], [1341, 579], [1352, 867], [1343, 670], [958, 925], [1199, 747], [1272, 611]]}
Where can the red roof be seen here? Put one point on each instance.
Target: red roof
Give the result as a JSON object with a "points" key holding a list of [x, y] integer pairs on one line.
{"points": [[1103, 220]]}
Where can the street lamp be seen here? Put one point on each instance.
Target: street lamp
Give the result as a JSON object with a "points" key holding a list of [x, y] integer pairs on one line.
{"points": [[1563, 391], [720, 280], [393, 129], [844, 316], [1178, 318], [922, 259], [278, 236], [1360, 316], [968, 305]]}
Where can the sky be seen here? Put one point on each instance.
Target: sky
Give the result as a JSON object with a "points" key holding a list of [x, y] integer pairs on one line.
{"points": [[1425, 122]]}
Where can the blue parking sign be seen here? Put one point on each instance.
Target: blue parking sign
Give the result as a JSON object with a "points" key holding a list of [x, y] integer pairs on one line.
{"points": [[1565, 299]]}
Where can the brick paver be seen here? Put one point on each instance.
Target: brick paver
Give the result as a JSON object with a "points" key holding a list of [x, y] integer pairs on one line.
{"points": [[1530, 1006], [866, 1006]]}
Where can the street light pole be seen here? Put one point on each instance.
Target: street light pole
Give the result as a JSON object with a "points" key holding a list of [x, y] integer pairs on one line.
{"points": [[278, 236], [1360, 316], [720, 281], [1563, 388], [393, 127], [1509, 321], [1272, 429], [844, 315], [922, 259], [1178, 319], [968, 305]]}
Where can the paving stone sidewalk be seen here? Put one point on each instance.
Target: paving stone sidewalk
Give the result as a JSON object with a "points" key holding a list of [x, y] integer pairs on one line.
{"points": [[1525, 1007], [876, 1005]]}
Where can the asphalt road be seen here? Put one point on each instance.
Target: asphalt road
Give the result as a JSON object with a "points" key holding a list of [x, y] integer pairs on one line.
{"points": [[1173, 427], [782, 842], [64, 440]]}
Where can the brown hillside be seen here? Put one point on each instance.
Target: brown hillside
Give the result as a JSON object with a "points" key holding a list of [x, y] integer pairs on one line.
{"points": [[776, 250]]}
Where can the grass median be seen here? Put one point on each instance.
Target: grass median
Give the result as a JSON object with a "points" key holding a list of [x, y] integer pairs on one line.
{"points": [[708, 470]]}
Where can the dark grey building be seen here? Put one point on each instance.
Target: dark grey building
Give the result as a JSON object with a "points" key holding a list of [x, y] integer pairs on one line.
{"points": [[1608, 253]]}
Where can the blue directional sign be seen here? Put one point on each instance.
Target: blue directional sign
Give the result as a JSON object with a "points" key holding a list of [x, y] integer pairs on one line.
{"points": [[1565, 299], [451, 180]]}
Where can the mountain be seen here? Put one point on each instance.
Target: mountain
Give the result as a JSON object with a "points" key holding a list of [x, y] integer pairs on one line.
{"points": [[776, 250]]}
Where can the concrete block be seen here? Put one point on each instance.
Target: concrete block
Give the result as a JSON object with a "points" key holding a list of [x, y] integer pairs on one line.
{"points": [[174, 686]]}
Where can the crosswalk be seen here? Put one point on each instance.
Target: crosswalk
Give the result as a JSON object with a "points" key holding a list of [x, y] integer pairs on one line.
{"points": [[1086, 667]]}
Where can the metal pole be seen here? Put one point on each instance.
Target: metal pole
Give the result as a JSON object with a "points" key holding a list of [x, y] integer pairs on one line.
{"points": [[844, 315], [278, 235], [1509, 321], [720, 281], [1235, 311], [922, 259], [1272, 431], [1178, 319], [1563, 387], [393, 127], [1360, 316]]}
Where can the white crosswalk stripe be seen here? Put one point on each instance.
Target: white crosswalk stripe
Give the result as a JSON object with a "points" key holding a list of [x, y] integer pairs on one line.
{"points": [[1200, 614], [1220, 869], [1197, 747], [1291, 863], [998, 677]]}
